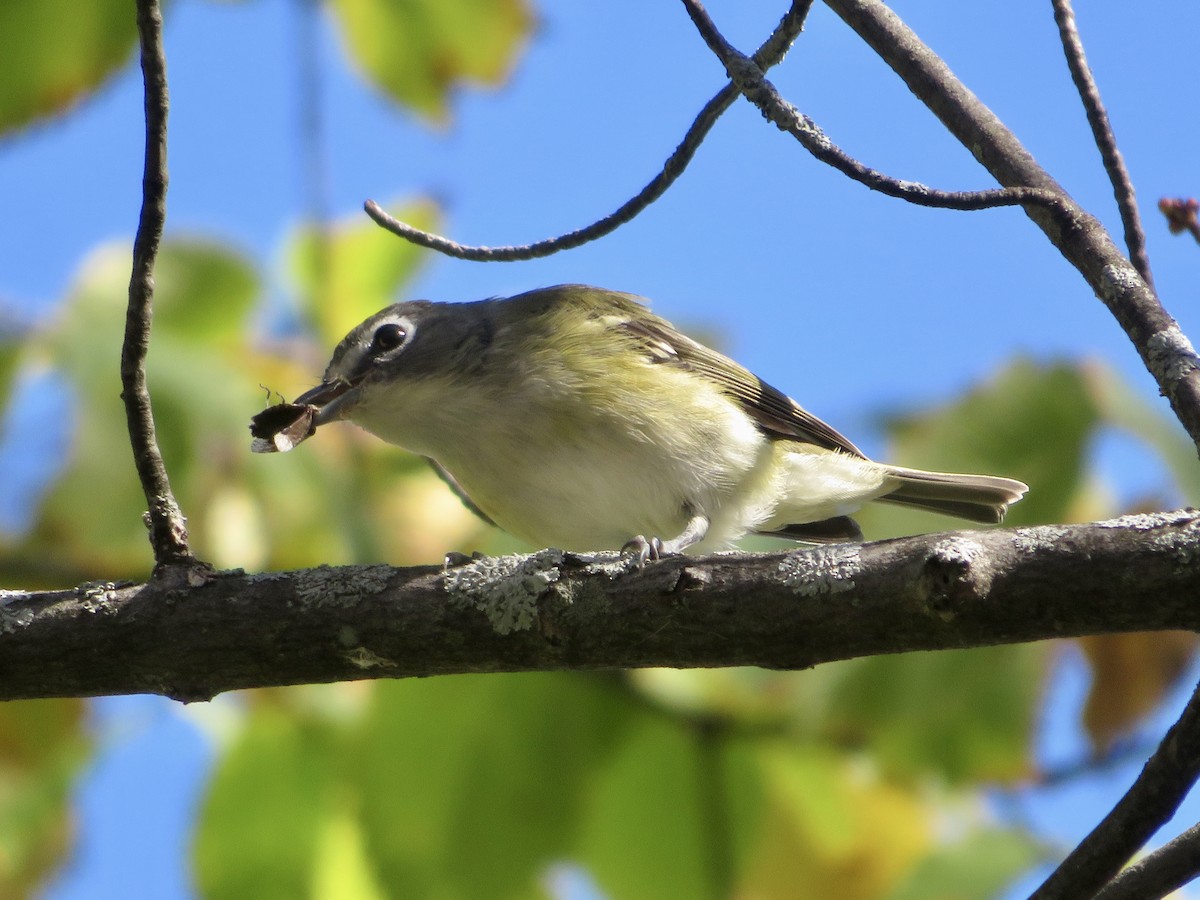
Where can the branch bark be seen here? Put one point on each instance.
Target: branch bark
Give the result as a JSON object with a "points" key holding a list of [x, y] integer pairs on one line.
{"points": [[196, 634], [1164, 349]]}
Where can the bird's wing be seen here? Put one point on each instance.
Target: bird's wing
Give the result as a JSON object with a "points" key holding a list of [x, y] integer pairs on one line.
{"points": [[776, 413], [452, 483]]}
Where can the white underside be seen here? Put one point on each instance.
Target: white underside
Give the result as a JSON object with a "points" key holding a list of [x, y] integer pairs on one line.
{"points": [[583, 481]]}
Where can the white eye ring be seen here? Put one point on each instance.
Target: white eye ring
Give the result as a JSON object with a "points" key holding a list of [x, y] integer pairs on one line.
{"points": [[388, 337]]}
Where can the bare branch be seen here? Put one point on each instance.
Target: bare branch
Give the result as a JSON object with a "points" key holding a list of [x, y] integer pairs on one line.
{"points": [[771, 52], [749, 78], [1152, 800], [1164, 349], [168, 530], [194, 639], [1167, 869], [1106, 141]]}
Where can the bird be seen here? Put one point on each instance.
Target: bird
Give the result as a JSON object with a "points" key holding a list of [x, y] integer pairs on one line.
{"points": [[573, 417]]}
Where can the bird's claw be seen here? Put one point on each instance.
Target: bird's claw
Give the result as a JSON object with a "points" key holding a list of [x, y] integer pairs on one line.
{"points": [[642, 549]]}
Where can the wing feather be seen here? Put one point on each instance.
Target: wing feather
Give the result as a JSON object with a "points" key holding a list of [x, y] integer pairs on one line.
{"points": [[777, 414]]}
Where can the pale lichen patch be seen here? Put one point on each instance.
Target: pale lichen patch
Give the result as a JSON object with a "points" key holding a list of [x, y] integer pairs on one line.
{"points": [[1030, 540], [1151, 521], [362, 658], [1171, 353], [504, 588], [326, 585], [12, 620], [98, 596], [817, 571]]}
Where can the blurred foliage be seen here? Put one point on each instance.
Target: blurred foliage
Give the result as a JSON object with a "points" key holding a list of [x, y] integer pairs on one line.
{"points": [[855, 780], [656, 784], [350, 270], [55, 52], [416, 51], [42, 745]]}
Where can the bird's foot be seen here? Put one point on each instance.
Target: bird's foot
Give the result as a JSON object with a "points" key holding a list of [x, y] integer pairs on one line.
{"points": [[641, 549]]}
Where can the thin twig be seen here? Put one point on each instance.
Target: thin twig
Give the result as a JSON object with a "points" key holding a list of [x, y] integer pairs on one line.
{"points": [[1106, 141], [1126, 753], [749, 78], [1164, 349], [1152, 800], [773, 49], [1167, 869], [168, 529]]}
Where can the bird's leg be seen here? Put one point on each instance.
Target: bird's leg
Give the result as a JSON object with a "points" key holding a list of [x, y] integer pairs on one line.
{"points": [[644, 549], [693, 533]]}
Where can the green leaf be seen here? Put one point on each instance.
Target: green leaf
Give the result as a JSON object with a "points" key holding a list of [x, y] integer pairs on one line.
{"points": [[490, 769], [10, 365], [353, 269], [268, 810], [966, 714], [342, 870], [201, 386], [204, 293], [418, 51], [974, 868], [42, 744], [54, 52], [832, 825], [1123, 408], [645, 831]]}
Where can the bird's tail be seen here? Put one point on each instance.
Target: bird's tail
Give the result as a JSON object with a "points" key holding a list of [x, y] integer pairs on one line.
{"points": [[979, 498]]}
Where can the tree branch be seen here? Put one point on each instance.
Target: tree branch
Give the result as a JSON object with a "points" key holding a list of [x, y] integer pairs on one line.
{"points": [[750, 79], [1102, 133], [554, 611], [772, 51], [1164, 349], [1152, 800], [168, 530], [1167, 869]]}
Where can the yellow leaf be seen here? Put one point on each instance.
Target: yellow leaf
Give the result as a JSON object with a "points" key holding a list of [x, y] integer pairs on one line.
{"points": [[1131, 673]]}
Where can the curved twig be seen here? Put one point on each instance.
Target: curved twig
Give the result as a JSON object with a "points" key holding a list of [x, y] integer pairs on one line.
{"points": [[168, 529], [1164, 349], [1168, 868], [1102, 133], [773, 49], [1154, 797], [749, 78]]}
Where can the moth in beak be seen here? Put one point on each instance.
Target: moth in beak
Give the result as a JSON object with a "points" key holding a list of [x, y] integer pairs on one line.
{"points": [[280, 428]]}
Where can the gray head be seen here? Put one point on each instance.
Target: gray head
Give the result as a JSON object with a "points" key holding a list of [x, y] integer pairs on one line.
{"points": [[403, 347]]}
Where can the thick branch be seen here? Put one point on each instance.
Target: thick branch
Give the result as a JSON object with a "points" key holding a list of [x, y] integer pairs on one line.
{"points": [[168, 532], [1165, 350], [552, 611]]}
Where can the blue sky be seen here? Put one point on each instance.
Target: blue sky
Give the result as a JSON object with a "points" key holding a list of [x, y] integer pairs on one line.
{"points": [[852, 302]]}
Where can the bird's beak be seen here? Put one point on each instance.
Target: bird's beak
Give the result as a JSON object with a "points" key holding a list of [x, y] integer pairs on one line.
{"points": [[330, 398], [280, 428]]}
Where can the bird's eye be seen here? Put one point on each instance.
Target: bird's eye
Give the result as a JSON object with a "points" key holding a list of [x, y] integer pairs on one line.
{"points": [[388, 337]]}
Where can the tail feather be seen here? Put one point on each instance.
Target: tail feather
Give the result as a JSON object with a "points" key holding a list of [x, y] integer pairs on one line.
{"points": [[979, 498]]}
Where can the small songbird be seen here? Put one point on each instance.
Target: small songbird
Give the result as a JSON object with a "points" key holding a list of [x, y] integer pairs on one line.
{"points": [[573, 417]]}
